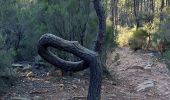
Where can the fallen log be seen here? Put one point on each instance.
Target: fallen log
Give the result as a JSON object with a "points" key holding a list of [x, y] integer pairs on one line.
{"points": [[89, 60]]}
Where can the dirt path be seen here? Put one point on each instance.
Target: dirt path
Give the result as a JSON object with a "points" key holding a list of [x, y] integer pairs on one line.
{"points": [[63, 88], [139, 76]]}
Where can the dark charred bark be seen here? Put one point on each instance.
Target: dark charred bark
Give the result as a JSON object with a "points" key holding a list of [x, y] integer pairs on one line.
{"points": [[114, 5], [89, 59], [102, 25], [83, 32], [101, 31], [168, 2], [136, 13], [161, 9]]}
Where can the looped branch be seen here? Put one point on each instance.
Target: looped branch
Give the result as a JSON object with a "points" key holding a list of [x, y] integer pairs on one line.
{"points": [[89, 59]]}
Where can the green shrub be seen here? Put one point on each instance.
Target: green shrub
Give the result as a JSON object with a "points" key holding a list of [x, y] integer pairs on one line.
{"points": [[7, 75], [135, 43], [138, 39], [167, 56], [140, 33], [1, 41], [124, 35], [6, 59], [109, 39], [167, 53]]}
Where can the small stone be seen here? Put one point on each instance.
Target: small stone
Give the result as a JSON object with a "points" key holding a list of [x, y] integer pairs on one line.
{"points": [[30, 74], [52, 73], [103, 87], [64, 78], [61, 85], [17, 65], [149, 94], [38, 91], [113, 82], [19, 98], [27, 67], [74, 86], [37, 98], [79, 98], [48, 74], [144, 85], [112, 95]]}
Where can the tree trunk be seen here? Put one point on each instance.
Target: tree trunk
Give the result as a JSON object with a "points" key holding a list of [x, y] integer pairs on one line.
{"points": [[168, 2], [90, 59], [136, 12], [102, 25], [101, 32], [114, 15], [161, 9]]}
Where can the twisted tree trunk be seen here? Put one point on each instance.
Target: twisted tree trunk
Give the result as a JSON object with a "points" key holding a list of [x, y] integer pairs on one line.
{"points": [[102, 25], [89, 59]]}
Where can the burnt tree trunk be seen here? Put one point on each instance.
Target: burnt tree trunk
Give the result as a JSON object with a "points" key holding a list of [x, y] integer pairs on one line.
{"points": [[101, 31], [161, 10], [102, 25], [136, 13], [89, 59]]}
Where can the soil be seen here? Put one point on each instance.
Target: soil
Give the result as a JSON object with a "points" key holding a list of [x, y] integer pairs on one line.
{"points": [[134, 76]]}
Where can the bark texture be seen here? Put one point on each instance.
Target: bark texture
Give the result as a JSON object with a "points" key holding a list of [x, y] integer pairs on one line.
{"points": [[102, 25], [89, 59]]}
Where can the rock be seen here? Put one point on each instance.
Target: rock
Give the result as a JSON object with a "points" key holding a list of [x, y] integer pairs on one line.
{"points": [[61, 86], [102, 87], [113, 83], [49, 74], [149, 54], [37, 98], [144, 85], [112, 96], [38, 91], [74, 86], [116, 57], [27, 67], [22, 67], [19, 98], [30, 74], [64, 78], [79, 98], [17, 65], [75, 80], [148, 65]]}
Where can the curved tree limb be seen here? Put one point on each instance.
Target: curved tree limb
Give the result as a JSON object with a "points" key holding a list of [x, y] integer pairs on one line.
{"points": [[49, 40], [90, 59]]}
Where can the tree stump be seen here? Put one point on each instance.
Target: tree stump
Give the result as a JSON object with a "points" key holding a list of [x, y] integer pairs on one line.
{"points": [[89, 60]]}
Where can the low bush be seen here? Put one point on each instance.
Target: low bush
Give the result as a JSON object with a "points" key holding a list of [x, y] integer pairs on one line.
{"points": [[138, 39], [6, 73], [123, 37], [6, 59]]}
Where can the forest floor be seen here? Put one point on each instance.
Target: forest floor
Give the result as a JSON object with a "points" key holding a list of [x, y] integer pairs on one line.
{"points": [[137, 75]]}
